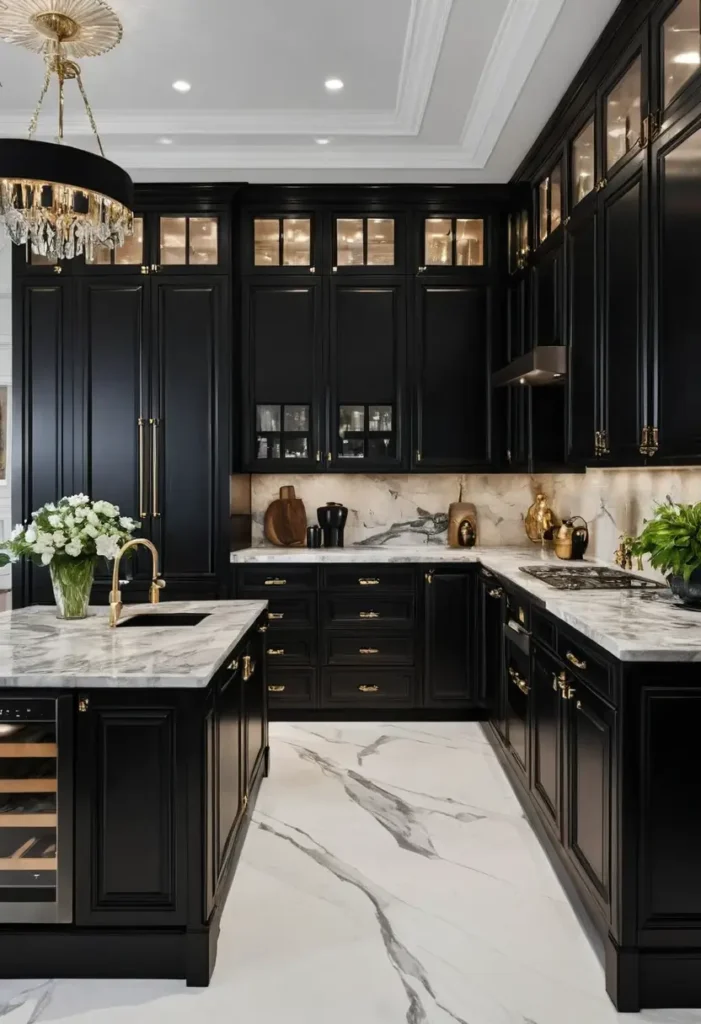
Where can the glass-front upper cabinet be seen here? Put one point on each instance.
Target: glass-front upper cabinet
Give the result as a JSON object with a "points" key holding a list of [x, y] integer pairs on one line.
{"points": [[284, 243], [282, 432], [679, 48], [368, 244], [518, 240], [623, 114], [129, 257], [367, 432], [191, 243], [550, 202], [450, 243], [583, 163]]}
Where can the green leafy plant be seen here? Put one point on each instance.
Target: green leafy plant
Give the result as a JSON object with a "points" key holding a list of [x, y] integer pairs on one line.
{"points": [[672, 539]]}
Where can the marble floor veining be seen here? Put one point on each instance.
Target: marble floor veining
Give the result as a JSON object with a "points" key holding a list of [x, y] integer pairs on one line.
{"points": [[388, 877]]}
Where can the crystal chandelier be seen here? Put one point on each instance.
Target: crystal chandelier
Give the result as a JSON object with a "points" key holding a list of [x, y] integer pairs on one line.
{"points": [[59, 200]]}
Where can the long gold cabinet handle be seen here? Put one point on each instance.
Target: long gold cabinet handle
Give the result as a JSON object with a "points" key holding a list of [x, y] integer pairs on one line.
{"points": [[365, 581], [369, 615], [276, 688], [154, 469], [364, 688], [249, 667], [141, 422], [273, 651], [368, 650], [276, 615], [275, 581], [574, 660]]}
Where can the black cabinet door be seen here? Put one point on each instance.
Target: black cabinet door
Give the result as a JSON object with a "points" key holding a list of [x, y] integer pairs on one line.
{"points": [[367, 373], [547, 280], [490, 594], [188, 435], [624, 272], [42, 374], [582, 297], [516, 704], [676, 185], [227, 779], [452, 368], [591, 732], [255, 702], [126, 866], [546, 736], [449, 638], [282, 390]]}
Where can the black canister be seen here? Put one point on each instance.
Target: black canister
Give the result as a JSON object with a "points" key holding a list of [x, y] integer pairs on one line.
{"points": [[313, 537], [332, 520]]}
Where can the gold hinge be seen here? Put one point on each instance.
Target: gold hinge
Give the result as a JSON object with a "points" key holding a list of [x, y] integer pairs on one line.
{"points": [[83, 704]]}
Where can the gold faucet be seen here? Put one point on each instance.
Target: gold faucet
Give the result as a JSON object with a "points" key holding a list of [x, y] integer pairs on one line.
{"points": [[157, 584], [623, 555]]}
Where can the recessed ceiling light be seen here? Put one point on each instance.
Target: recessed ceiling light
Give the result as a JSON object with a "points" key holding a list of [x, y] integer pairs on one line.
{"points": [[333, 84], [322, 142], [181, 86], [690, 57], [166, 142]]}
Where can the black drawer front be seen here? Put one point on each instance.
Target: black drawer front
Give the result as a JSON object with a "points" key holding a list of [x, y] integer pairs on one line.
{"points": [[369, 650], [368, 579], [290, 649], [583, 663], [518, 610], [543, 628], [371, 611], [277, 579], [291, 686], [367, 689], [291, 612]]}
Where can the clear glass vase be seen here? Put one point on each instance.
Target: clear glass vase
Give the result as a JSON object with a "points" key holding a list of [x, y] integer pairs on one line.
{"points": [[72, 580]]}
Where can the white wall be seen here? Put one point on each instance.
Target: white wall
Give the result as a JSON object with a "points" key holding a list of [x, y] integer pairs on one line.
{"points": [[6, 378]]}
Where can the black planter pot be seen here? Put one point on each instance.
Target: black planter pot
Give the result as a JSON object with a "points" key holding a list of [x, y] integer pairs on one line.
{"points": [[688, 591]]}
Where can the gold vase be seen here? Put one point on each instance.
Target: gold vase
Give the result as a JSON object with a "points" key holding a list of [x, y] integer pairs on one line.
{"points": [[540, 520]]}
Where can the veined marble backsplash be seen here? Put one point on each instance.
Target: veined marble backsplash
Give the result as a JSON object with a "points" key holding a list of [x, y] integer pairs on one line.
{"points": [[409, 509]]}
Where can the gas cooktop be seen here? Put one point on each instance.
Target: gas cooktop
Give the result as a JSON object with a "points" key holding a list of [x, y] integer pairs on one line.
{"points": [[589, 577]]}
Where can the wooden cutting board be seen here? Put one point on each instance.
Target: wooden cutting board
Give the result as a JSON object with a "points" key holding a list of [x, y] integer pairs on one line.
{"points": [[285, 522]]}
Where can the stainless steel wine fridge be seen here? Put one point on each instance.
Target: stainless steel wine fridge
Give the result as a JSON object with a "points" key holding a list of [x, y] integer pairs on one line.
{"points": [[36, 810]]}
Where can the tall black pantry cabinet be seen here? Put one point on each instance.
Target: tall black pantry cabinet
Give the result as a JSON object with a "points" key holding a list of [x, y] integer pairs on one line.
{"points": [[123, 372]]}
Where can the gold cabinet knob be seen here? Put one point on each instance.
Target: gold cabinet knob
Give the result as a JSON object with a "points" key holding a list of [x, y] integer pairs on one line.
{"points": [[365, 688], [274, 651]]}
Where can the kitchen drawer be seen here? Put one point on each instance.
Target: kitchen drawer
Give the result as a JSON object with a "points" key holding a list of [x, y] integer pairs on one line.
{"points": [[291, 612], [543, 628], [369, 649], [517, 609], [584, 664], [291, 686], [367, 689], [368, 579], [371, 611], [294, 648], [277, 579]]}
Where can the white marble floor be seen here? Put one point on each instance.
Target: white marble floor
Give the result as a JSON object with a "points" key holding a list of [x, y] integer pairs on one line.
{"points": [[389, 877]]}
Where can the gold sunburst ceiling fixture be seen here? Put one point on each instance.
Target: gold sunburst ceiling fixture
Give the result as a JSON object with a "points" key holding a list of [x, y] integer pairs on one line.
{"points": [[59, 200]]}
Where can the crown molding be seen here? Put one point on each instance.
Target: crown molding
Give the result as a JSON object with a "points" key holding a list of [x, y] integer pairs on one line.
{"points": [[428, 22], [522, 34]]}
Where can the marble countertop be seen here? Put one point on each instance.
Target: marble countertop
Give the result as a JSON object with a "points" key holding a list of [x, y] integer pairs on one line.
{"points": [[631, 625], [37, 649]]}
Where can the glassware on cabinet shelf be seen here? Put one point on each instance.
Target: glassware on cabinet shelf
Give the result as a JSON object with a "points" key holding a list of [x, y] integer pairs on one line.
{"points": [[439, 242], [267, 447], [203, 241], [556, 197], [349, 242], [380, 418], [380, 236], [469, 241], [296, 419], [623, 114], [173, 241], [380, 448], [296, 242], [352, 448], [268, 418], [266, 242], [583, 163], [351, 419], [543, 198], [296, 448], [681, 45]]}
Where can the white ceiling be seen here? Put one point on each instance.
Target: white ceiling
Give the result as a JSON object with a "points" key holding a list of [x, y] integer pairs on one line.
{"points": [[435, 90]]}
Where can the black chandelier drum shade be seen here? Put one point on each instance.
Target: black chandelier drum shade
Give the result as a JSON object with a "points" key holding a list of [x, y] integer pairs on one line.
{"points": [[24, 160]]}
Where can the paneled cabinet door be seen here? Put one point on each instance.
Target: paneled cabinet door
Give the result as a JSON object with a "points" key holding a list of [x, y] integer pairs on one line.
{"points": [[675, 37], [43, 369], [189, 433], [282, 375], [367, 371], [452, 367], [676, 181], [546, 736], [226, 758], [255, 699], [130, 808], [449, 638], [490, 694], [581, 241], [547, 280], [590, 745], [623, 282]]}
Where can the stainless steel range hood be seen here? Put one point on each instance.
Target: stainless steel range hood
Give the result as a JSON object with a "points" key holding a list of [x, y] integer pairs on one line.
{"points": [[544, 364]]}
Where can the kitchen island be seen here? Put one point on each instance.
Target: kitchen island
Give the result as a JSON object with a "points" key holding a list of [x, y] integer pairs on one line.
{"points": [[130, 760]]}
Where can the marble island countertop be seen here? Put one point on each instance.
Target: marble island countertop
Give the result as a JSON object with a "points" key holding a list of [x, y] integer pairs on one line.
{"points": [[631, 625], [39, 650]]}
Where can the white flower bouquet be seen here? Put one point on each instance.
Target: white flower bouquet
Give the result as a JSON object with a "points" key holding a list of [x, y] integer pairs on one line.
{"points": [[69, 537]]}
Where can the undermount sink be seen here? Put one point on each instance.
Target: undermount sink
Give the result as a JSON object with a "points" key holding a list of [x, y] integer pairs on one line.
{"points": [[164, 619]]}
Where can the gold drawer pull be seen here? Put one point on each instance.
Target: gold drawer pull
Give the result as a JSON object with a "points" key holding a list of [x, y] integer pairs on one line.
{"points": [[368, 650], [276, 650], [574, 660], [369, 615], [275, 581], [276, 615], [368, 582], [276, 689], [519, 681], [249, 667], [364, 688], [234, 666]]}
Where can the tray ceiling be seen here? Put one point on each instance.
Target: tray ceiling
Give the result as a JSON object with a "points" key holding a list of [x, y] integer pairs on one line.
{"points": [[451, 90]]}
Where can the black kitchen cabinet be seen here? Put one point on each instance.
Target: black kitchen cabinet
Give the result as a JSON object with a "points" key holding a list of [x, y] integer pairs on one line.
{"points": [[255, 709], [225, 769], [452, 375], [547, 735], [490, 651], [367, 245], [547, 280], [584, 438], [450, 651]]}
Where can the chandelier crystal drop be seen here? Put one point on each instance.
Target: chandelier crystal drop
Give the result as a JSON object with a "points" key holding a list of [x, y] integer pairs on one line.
{"points": [[59, 200]]}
